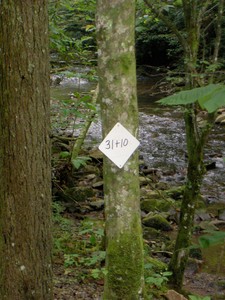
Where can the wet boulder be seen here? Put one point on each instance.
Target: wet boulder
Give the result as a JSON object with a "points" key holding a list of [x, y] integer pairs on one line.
{"points": [[150, 233], [176, 192], [75, 194], [157, 221], [152, 205]]}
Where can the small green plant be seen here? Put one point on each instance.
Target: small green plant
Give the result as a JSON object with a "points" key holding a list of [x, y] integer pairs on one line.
{"points": [[63, 223], [70, 260], [80, 161], [84, 257], [98, 273], [75, 115], [156, 278], [57, 209], [93, 235], [96, 258], [194, 297], [61, 228], [92, 263], [79, 247], [74, 111]]}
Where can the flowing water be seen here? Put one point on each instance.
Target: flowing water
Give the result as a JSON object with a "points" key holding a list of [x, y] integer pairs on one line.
{"points": [[162, 138], [162, 135]]}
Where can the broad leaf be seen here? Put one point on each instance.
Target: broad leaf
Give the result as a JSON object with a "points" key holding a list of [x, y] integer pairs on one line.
{"points": [[214, 101], [209, 97], [189, 96]]}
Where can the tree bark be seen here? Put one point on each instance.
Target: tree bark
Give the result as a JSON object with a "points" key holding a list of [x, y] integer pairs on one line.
{"points": [[25, 171], [117, 95], [193, 12], [218, 30]]}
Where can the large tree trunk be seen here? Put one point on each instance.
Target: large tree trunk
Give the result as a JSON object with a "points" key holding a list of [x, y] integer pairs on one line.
{"points": [[117, 95], [25, 176]]}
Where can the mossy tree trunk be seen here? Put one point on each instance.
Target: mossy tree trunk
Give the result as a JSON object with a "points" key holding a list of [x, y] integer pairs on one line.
{"points": [[195, 148], [117, 95], [217, 43], [196, 136], [25, 170]]}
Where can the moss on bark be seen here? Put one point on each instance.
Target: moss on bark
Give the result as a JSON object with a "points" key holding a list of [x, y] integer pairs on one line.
{"points": [[125, 265], [118, 99], [195, 174]]}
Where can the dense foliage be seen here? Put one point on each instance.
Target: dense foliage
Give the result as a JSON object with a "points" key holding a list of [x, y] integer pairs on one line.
{"points": [[72, 29], [155, 44]]}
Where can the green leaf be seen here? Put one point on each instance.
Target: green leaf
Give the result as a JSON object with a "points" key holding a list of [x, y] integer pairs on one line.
{"points": [[193, 297], [215, 100], [89, 27], [210, 97], [140, 28], [93, 239], [148, 266], [86, 98], [80, 161], [180, 98], [155, 281], [167, 273], [64, 154], [215, 238], [95, 273], [189, 96]]}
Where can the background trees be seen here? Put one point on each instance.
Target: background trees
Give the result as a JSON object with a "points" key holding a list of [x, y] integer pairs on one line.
{"points": [[72, 31], [117, 95], [25, 181]]}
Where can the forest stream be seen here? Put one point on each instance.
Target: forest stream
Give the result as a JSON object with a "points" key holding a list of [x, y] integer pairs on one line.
{"points": [[163, 147], [162, 138]]}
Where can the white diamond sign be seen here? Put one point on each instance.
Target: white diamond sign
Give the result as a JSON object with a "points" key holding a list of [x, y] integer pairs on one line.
{"points": [[119, 145]]}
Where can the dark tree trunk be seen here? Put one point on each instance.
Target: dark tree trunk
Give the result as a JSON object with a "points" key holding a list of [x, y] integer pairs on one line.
{"points": [[25, 174]]}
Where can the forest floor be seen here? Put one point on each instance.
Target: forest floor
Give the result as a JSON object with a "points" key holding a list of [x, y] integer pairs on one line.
{"points": [[79, 242], [74, 280], [69, 286]]}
